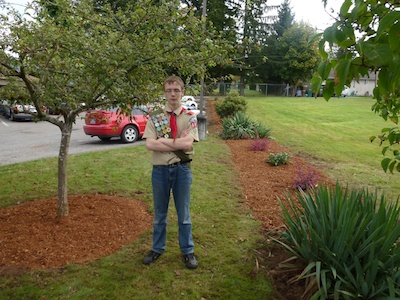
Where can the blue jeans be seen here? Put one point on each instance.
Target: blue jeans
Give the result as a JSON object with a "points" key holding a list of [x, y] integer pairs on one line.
{"points": [[178, 179]]}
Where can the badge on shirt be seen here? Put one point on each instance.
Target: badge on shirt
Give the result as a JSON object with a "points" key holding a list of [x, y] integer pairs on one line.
{"points": [[161, 123], [193, 122]]}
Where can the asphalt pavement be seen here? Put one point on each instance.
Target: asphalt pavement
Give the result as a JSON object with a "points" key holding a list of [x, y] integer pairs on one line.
{"points": [[22, 141]]}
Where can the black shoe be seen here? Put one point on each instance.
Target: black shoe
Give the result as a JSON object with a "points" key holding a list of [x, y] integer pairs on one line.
{"points": [[151, 257], [190, 261]]}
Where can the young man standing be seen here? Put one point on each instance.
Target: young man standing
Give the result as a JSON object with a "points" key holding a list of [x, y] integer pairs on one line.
{"points": [[170, 134]]}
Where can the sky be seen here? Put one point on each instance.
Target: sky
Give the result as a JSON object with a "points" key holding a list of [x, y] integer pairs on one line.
{"points": [[310, 11]]}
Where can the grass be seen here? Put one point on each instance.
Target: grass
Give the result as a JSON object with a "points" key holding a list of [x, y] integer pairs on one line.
{"points": [[225, 234], [334, 135]]}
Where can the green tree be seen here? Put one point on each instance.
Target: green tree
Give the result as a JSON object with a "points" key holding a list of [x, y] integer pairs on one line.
{"points": [[299, 55], [270, 54], [285, 19], [256, 26], [99, 57], [221, 17], [246, 25], [368, 32]]}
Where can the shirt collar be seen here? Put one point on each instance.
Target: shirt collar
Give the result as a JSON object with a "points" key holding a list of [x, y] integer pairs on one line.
{"points": [[177, 111]]}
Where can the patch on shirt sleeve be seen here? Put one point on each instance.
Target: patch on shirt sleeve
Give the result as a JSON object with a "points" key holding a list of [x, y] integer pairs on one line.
{"points": [[193, 122]]}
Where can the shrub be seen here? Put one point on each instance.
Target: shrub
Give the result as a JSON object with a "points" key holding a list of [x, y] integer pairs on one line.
{"points": [[260, 130], [349, 240], [232, 104], [259, 144], [276, 159], [305, 178], [241, 126]]}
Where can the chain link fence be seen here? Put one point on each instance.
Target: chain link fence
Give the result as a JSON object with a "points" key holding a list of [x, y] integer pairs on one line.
{"points": [[266, 89]]}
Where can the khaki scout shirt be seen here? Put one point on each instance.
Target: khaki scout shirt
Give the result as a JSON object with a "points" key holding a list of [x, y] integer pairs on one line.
{"points": [[185, 119]]}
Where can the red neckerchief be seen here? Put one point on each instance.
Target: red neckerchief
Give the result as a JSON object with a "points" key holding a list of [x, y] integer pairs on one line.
{"points": [[172, 122]]}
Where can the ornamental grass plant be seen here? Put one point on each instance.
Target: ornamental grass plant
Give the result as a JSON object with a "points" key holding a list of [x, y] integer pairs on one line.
{"points": [[348, 239], [240, 126]]}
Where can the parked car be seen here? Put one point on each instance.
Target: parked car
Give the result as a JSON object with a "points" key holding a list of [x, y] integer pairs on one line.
{"points": [[190, 103], [346, 91], [188, 98], [15, 111], [107, 124]]}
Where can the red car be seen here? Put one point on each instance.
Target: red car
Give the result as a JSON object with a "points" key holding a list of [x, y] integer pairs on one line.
{"points": [[106, 124]]}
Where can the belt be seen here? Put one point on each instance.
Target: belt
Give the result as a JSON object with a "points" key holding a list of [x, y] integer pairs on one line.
{"points": [[179, 163], [175, 164]]}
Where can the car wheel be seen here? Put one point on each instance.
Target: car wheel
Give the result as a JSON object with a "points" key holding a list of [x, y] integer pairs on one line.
{"points": [[129, 134], [104, 138]]}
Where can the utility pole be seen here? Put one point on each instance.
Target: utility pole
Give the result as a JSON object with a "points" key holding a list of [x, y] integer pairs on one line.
{"points": [[202, 119]]}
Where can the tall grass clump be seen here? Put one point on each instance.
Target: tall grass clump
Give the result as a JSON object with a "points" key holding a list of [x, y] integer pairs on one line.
{"points": [[240, 126], [349, 240], [232, 104]]}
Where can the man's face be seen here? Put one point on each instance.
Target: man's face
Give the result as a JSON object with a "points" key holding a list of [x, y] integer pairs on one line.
{"points": [[173, 93]]}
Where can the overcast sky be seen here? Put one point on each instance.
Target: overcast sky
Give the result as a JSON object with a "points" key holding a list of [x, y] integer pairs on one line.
{"points": [[310, 11]]}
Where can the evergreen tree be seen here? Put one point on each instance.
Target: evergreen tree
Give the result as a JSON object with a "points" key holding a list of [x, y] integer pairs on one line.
{"points": [[256, 24], [285, 19], [271, 55]]}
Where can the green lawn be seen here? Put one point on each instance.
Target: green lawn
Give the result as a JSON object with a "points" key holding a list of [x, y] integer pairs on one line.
{"points": [[334, 135], [223, 229]]}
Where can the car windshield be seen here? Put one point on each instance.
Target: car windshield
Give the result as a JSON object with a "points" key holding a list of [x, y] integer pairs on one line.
{"points": [[136, 110]]}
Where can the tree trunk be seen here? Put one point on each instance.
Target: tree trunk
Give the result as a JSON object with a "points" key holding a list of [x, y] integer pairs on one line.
{"points": [[62, 202], [241, 85]]}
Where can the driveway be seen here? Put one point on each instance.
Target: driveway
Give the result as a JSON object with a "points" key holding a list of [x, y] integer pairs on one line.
{"points": [[26, 141]]}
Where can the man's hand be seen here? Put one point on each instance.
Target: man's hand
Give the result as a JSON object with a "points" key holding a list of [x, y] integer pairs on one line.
{"points": [[185, 133]]}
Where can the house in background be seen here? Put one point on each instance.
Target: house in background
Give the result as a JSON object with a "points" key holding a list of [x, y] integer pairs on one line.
{"points": [[362, 87]]}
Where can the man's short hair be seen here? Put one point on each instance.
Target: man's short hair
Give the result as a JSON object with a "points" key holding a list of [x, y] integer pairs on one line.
{"points": [[172, 79]]}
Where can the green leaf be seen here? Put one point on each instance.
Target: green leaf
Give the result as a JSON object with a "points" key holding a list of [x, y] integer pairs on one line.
{"points": [[316, 82], [384, 149], [328, 90], [321, 50], [342, 72], [384, 81], [329, 35], [387, 22], [377, 55], [394, 40], [324, 69], [385, 163], [345, 7], [391, 166]]}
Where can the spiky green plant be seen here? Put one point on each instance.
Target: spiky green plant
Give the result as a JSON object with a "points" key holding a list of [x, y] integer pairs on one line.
{"points": [[240, 126], [350, 241]]}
